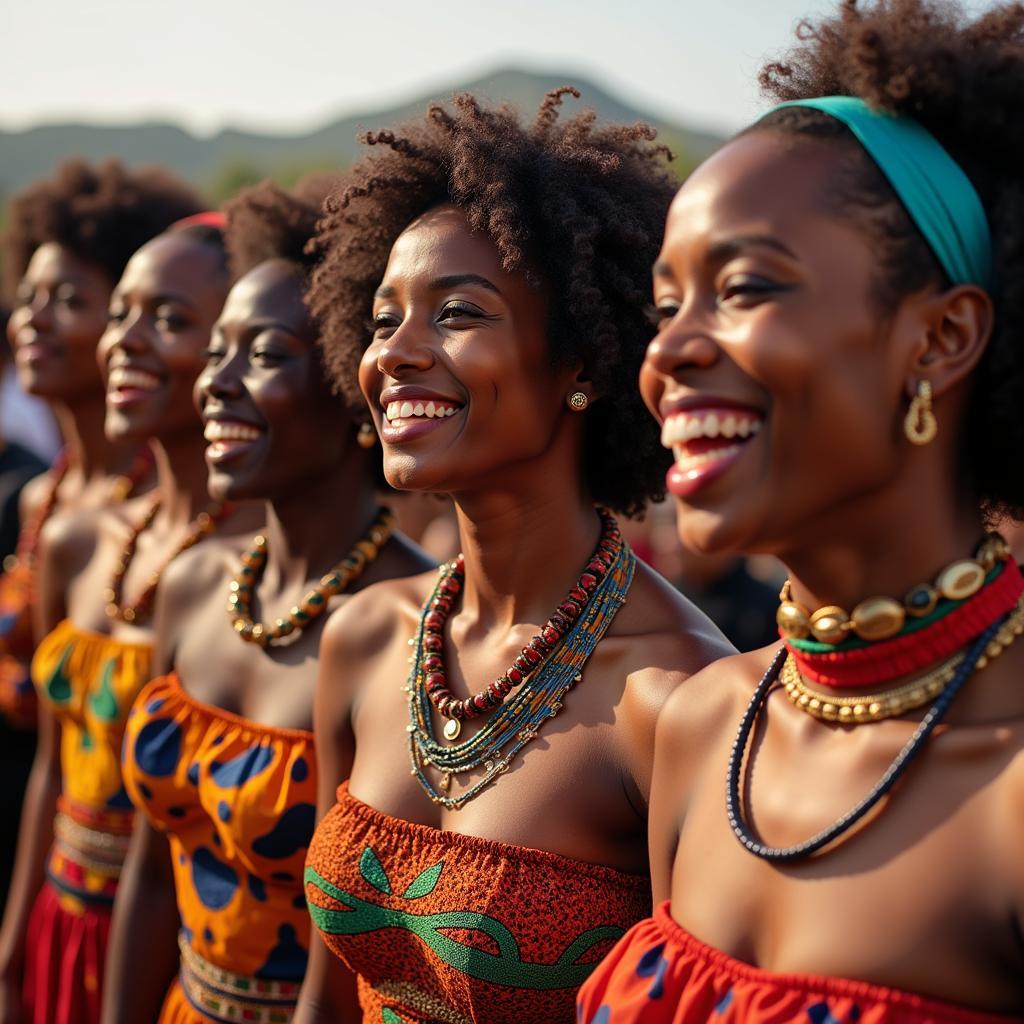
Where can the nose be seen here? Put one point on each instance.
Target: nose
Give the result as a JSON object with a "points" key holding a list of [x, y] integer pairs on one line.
{"points": [[126, 334], [679, 347], [405, 350], [37, 314], [220, 379]]}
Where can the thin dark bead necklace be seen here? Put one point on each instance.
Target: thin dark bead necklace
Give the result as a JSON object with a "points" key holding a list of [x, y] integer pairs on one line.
{"points": [[734, 778]]}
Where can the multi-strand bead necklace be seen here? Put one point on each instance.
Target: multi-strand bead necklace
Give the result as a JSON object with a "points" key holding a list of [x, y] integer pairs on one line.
{"points": [[138, 610], [314, 604], [548, 667], [974, 612]]}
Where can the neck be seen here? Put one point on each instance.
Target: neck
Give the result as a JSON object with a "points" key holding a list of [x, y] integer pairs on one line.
{"points": [[180, 478], [524, 546], [90, 453], [882, 550], [316, 524]]}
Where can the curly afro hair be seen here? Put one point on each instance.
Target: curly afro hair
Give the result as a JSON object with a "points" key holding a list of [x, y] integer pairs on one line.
{"points": [[963, 79], [577, 207], [268, 222], [101, 213]]}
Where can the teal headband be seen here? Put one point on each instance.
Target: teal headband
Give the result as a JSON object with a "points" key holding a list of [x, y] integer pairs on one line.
{"points": [[929, 183]]}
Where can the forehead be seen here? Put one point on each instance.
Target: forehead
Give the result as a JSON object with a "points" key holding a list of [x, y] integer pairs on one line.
{"points": [[173, 262], [272, 290], [54, 262], [761, 182], [439, 243]]}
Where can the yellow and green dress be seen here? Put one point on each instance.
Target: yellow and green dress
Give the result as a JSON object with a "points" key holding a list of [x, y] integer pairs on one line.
{"points": [[237, 800], [88, 681]]}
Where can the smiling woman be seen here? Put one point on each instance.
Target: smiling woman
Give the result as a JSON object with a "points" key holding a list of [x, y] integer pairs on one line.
{"points": [[481, 858], [97, 583], [846, 275], [220, 744]]}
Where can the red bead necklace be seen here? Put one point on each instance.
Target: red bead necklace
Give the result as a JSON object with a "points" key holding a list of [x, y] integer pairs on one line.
{"points": [[533, 654]]}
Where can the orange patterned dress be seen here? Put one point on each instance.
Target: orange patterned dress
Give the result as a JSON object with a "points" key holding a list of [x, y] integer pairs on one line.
{"points": [[443, 928], [660, 974], [89, 682], [238, 803]]}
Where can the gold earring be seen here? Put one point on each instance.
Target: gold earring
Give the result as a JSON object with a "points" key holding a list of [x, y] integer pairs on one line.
{"points": [[366, 437], [578, 401], [920, 425]]}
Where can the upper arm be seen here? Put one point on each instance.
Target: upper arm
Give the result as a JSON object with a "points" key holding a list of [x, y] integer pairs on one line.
{"points": [[65, 546]]}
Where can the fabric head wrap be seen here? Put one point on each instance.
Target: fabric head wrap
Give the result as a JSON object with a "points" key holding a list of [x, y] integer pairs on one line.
{"points": [[930, 184]]}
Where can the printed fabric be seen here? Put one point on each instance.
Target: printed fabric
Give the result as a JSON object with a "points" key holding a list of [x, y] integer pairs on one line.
{"points": [[237, 801], [660, 974], [445, 928]]}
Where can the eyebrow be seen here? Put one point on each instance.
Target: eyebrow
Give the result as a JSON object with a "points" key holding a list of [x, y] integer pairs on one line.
{"points": [[443, 284], [728, 247]]}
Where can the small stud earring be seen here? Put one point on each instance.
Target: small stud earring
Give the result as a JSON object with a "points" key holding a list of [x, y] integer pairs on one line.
{"points": [[366, 437], [578, 401], [920, 425]]}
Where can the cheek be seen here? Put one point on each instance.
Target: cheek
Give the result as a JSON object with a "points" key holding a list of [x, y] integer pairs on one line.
{"points": [[368, 376], [184, 354], [652, 387]]}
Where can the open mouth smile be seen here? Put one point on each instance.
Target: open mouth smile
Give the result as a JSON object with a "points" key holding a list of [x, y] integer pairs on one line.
{"points": [[227, 439], [127, 385], [414, 413], [706, 442]]}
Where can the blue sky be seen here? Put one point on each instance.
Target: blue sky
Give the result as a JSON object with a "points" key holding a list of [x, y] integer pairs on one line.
{"points": [[291, 64]]}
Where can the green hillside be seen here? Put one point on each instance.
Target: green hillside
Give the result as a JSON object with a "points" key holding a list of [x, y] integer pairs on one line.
{"points": [[222, 162]]}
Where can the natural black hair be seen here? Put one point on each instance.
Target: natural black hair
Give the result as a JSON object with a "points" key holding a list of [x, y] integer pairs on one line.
{"points": [[577, 207], [962, 77], [102, 213]]}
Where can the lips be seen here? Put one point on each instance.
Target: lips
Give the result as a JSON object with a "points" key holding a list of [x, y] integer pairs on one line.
{"points": [[706, 441], [411, 412], [127, 385], [228, 439]]}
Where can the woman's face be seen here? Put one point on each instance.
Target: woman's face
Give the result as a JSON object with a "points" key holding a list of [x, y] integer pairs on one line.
{"points": [[269, 417], [161, 314], [778, 383], [457, 374], [59, 316]]}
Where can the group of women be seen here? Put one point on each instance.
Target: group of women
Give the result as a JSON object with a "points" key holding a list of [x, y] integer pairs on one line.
{"points": [[288, 770]]}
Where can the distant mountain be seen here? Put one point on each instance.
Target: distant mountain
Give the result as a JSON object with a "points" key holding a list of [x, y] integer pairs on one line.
{"points": [[32, 153]]}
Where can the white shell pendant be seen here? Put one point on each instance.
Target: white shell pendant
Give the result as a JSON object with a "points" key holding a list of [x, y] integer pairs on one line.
{"points": [[452, 728]]}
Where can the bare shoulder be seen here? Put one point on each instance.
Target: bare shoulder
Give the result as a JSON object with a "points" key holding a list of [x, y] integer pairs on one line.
{"points": [[192, 575], [663, 638], [32, 496], [369, 620]]}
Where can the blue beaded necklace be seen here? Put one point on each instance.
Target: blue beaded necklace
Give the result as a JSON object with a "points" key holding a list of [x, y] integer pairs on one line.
{"points": [[518, 720]]}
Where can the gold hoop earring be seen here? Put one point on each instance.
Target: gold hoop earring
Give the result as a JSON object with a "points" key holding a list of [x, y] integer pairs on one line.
{"points": [[920, 425], [578, 401], [366, 436]]}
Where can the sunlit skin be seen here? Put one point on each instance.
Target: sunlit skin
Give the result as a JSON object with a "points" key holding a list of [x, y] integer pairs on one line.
{"points": [[59, 315], [765, 305], [263, 371], [451, 325], [80, 554]]}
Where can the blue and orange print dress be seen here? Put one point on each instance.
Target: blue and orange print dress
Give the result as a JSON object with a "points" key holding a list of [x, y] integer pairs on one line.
{"points": [[88, 681], [237, 801]]}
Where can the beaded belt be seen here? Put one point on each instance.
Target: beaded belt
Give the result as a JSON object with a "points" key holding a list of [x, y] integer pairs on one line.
{"points": [[224, 996], [85, 863]]}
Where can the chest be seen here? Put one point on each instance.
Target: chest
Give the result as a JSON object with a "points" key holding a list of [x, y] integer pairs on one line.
{"points": [[906, 900]]}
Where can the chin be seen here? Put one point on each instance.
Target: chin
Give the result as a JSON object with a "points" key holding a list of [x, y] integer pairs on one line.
{"points": [[710, 532]]}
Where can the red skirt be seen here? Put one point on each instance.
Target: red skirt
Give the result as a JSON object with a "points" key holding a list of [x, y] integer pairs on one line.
{"points": [[64, 957]]}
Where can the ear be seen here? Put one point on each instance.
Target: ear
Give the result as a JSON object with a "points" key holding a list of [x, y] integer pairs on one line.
{"points": [[958, 325], [579, 380]]}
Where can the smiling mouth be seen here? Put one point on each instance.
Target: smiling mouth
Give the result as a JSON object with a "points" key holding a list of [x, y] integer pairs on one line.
{"points": [[399, 413], [228, 438], [126, 385], [705, 442]]}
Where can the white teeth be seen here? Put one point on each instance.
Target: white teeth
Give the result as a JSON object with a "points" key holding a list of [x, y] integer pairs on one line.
{"points": [[685, 461], [691, 425], [407, 410], [222, 430], [123, 376]]}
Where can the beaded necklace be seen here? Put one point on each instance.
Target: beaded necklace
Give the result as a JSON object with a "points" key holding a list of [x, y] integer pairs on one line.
{"points": [[204, 524], [314, 604], [28, 538], [517, 720], [999, 635]]}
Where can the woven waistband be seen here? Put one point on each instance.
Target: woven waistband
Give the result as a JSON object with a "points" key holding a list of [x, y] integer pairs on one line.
{"points": [[223, 995], [93, 849]]}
